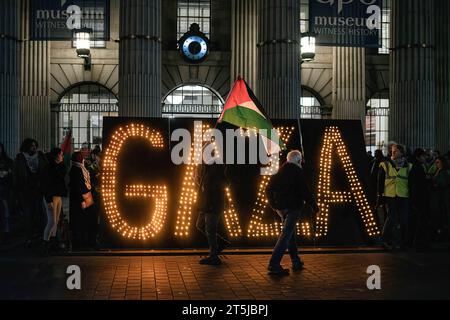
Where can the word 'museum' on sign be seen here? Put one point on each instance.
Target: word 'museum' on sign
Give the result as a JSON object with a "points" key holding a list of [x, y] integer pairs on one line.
{"points": [[170, 202]]}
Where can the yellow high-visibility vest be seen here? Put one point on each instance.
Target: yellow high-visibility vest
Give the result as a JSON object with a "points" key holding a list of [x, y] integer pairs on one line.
{"points": [[396, 182]]}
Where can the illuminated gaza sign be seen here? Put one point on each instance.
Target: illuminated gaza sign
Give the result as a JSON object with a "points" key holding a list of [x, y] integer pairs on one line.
{"points": [[187, 199]]}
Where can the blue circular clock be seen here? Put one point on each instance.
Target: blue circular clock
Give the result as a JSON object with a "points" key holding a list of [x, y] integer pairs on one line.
{"points": [[195, 48], [194, 45]]}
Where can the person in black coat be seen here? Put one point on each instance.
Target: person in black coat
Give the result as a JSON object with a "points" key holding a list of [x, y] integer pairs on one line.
{"points": [[288, 193], [92, 164], [6, 167], [212, 182], [28, 168], [420, 224], [374, 172], [79, 191], [54, 188]]}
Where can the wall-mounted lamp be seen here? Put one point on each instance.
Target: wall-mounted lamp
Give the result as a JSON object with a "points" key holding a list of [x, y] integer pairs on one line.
{"points": [[308, 49], [83, 44]]}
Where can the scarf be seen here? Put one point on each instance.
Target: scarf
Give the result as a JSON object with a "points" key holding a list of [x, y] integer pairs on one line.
{"points": [[32, 161], [86, 176], [399, 163]]}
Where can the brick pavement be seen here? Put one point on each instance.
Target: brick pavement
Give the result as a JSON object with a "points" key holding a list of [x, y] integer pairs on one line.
{"points": [[241, 277]]}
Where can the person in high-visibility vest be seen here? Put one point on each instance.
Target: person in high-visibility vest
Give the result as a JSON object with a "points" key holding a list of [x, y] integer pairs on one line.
{"points": [[393, 190]]}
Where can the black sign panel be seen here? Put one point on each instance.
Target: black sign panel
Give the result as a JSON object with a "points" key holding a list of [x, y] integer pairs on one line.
{"points": [[149, 202]]}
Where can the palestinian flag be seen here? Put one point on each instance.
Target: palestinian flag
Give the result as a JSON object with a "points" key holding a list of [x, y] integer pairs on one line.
{"points": [[243, 110], [66, 149]]}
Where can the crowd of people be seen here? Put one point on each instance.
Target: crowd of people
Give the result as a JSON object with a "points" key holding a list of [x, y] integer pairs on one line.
{"points": [[33, 189], [413, 192], [412, 189]]}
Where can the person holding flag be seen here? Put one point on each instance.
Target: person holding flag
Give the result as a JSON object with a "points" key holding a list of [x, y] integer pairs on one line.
{"points": [[243, 109]]}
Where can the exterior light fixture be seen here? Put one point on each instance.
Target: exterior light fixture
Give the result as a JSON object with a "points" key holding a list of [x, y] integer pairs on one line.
{"points": [[308, 49], [83, 44]]}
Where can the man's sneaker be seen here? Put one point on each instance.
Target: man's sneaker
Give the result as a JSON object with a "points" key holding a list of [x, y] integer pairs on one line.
{"points": [[211, 261], [298, 265], [278, 271]]}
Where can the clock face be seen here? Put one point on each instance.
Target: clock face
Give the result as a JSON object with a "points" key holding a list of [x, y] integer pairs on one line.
{"points": [[195, 48]]}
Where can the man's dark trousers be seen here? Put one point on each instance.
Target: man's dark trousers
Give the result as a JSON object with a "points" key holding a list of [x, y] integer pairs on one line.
{"points": [[287, 238]]}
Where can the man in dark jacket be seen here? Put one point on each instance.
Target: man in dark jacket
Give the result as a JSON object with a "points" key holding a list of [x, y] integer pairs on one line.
{"points": [[28, 168], [212, 183], [290, 193], [420, 202]]}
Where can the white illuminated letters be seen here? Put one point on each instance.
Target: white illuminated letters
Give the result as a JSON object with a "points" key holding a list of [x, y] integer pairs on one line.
{"points": [[109, 185], [326, 197]]}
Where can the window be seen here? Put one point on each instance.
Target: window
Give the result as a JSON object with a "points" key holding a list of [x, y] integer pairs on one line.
{"points": [[377, 123], [192, 102], [385, 28], [310, 108], [194, 11], [304, 16], [81, 111], [93, 17]]}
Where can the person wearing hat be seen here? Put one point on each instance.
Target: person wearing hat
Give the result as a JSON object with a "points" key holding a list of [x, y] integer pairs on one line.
{"points": [[419, 236]]}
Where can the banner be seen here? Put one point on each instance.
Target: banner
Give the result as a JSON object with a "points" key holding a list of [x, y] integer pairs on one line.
{"points": [[53, 20], [346, 23]]}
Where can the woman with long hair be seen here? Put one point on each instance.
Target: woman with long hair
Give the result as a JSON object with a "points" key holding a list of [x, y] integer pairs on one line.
{"points": [[54, 188]]}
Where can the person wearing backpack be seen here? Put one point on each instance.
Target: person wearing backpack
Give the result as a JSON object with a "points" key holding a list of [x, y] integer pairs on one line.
{"points": [[288, 193]]}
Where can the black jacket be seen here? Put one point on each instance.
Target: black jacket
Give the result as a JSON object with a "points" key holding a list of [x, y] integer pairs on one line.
{"points": [[6, 167], [27, 184], [53, 181], [77, 187], [212, 184], [291, 180], [418, 186]]}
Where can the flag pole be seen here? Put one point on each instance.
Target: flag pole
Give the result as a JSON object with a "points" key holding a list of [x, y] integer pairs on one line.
{"points": [[298, 123]]}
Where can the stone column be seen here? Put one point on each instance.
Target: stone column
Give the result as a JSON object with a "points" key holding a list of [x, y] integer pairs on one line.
{"points": [[412, 80], [279, 58], [9, 75], [349, 83], [443, 75], [35, 116], [244, 30], [140, 58]]}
